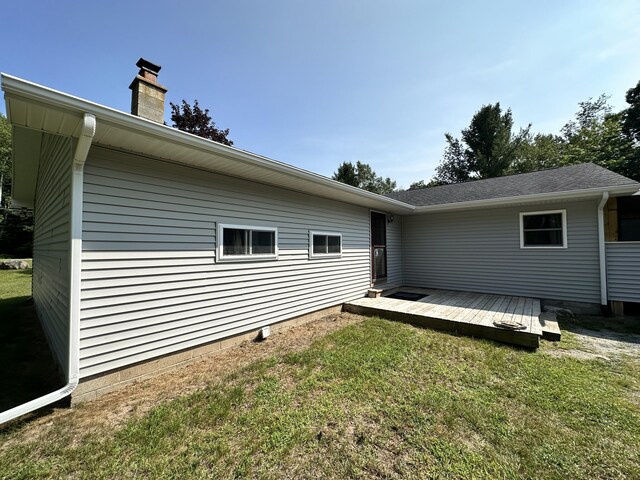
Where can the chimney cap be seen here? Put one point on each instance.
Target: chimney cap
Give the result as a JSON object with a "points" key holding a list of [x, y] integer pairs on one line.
{"points": [[144, 64]]}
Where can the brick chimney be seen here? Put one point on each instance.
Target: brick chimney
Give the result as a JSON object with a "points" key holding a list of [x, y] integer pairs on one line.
{"points": [[147, 95]]}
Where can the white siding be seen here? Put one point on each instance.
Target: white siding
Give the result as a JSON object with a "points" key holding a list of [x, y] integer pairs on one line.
{"points": [[150, 282], [52, 216], [479, 250], [623, 271]]}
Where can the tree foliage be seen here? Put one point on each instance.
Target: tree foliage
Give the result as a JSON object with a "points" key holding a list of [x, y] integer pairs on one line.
{"points": [[537, 152], [487, 148], [631, 116], [361, 175], [16, 232], [16, 225], [421, 184], [5, 160], [194, 119], [597, 134]]}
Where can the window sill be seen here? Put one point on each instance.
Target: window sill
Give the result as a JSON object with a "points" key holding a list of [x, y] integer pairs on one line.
{"points": [[319, 256], [247, 258]]}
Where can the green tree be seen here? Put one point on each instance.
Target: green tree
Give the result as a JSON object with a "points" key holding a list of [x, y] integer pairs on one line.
{"points": [[597, 135], [194, 120], [16, 225], [455, 166], [417, 185], [537, 152], [631, 116], [5, 161], [421, 184], [487, 148], [361, 175]]}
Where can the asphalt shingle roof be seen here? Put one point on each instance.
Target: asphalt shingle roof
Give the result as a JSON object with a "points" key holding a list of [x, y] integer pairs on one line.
{"points": [[574, 177]]}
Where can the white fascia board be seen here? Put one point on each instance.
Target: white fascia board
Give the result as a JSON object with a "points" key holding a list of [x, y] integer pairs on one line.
{"points": [[539, 197], [44, 95]]}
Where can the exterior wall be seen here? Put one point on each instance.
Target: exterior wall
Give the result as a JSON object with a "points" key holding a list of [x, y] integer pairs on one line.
{"points": [[93, 387], [151, 285], [51, 243], [623, 271], [479, 250]]}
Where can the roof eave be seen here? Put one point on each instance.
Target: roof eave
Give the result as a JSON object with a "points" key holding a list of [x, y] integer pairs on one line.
{"points": [[13, 86], [539, 197]]}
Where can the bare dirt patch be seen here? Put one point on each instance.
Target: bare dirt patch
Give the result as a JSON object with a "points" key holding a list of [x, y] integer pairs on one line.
{"points": [[610, 343], [601, 344], [114, 408]]}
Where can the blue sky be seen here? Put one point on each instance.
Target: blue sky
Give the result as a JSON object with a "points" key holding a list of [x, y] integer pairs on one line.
{"points": [[317, 83]]}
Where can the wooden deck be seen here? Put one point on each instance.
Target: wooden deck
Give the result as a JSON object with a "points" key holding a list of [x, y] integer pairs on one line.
{"points": [[465, 312]]}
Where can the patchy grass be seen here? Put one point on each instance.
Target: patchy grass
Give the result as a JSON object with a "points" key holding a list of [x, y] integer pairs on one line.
{"points": [[15, 287], [25, 362], [375, 399]]}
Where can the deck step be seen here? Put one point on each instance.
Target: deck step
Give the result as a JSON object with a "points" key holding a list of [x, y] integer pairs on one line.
{"points": [[550, 327]]}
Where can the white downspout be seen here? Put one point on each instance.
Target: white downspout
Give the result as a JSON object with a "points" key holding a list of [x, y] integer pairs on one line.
{"points": [[603, 263], [87, 132]]}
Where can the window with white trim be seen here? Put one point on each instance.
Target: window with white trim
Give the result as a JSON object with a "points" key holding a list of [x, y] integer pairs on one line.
{"points": [[325, 244], [543, 229], [242, 242]]}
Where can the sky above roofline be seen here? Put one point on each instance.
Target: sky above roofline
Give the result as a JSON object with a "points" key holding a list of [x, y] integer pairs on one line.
{"points": [[315, 84]]}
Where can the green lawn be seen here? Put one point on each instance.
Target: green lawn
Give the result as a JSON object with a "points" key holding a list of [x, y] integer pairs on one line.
{"points": [[375, 399]]}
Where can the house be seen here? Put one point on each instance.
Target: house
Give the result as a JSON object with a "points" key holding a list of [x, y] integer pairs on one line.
{"points": [[153, 246]]}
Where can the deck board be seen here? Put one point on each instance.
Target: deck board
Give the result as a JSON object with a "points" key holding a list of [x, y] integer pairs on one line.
{"points": [[466, 312]]}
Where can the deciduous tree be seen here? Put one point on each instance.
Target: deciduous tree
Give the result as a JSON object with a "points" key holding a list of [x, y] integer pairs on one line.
{"points": [[5, 160], [597, 135], [631, 116], [363, 176], [195, 120]]}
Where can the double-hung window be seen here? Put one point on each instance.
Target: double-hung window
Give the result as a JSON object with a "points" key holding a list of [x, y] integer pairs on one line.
{"points": [[241, 242], [325, 244], [543, 229]]}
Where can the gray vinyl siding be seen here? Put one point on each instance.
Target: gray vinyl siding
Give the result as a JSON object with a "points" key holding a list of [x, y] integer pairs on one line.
{"points": [[479, 250], [150, 281], [51, 243], [623, 271]]}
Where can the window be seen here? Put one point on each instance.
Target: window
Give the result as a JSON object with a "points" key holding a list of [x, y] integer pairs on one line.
{"points": [[629, 219], [240, 242], [543, 229], [324, 244]]}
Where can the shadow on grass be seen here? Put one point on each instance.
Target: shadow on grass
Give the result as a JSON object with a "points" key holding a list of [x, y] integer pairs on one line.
{"points": [[616, 328], [27, 367], [25, 271]]}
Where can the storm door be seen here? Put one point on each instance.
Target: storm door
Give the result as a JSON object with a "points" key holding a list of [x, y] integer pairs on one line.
{"points": [[378, 246]]}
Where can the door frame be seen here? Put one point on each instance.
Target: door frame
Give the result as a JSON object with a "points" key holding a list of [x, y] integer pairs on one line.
{"points": [[378, 278]]}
